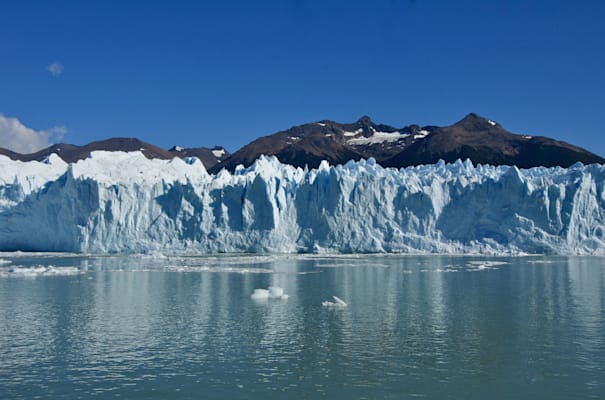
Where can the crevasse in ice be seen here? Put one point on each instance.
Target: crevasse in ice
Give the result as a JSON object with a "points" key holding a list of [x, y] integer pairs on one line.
{"points": [[124, 202]]}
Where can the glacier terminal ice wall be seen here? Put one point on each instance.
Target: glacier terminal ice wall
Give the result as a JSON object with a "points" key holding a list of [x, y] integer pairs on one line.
{"points": [[124, 202]]}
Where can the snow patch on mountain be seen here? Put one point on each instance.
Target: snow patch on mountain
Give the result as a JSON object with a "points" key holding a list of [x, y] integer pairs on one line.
{"points": [[351, 134], [124, 202], [218, 153], [378, 137], [421, 134]]}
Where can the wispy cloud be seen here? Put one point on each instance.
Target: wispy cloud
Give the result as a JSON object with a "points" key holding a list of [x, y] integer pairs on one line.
{"points": [[55, 69], [17, 137]]}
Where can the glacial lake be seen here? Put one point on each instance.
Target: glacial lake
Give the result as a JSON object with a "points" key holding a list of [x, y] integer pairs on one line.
{"points": [[435, 327]]}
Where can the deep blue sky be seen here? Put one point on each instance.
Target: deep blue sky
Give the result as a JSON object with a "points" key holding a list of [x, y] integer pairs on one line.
{"points": [[225, 72]]}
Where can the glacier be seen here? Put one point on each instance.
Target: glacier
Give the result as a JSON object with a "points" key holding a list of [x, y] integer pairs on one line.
{"points": [[123, 202]]}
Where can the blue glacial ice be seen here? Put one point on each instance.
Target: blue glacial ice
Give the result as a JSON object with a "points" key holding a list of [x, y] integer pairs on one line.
{"points": [[124, 202]]}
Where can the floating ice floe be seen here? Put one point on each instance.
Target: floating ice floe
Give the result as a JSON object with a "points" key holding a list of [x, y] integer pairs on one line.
{"points": [[541, 262], [38, 270], [483, 265], [193, 269], [447, 270], [274, 292], [337, 303], [351, 265]]}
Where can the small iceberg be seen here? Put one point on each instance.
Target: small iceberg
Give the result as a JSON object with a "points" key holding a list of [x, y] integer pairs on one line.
{"points": [[260, 294], [274, 292], [337, 303]]}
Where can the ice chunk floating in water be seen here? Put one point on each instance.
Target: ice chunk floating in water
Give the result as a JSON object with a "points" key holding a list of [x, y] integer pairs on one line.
{"points": [[337, 303], [260, 294], [274, 292], [124, 202]]}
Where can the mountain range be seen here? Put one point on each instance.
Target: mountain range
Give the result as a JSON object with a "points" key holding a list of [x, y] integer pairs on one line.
{"points": [[71, 153], [479, 139]]}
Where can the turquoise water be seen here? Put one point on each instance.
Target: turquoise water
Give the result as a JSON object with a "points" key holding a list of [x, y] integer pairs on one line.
{"points": [[415, 326]]}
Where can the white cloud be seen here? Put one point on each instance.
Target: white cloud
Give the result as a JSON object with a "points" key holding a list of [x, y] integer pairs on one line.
{"points": [[17, 137], [55, 69]]}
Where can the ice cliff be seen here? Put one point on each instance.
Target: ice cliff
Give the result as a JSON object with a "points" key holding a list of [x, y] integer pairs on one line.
{"points": [[124, 202]]}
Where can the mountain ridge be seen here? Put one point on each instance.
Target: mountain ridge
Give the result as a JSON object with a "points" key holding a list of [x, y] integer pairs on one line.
{"points": [[479, 139]]}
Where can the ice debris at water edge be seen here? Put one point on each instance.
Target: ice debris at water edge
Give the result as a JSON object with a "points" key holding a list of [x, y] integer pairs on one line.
{"points": [[124, 202]]}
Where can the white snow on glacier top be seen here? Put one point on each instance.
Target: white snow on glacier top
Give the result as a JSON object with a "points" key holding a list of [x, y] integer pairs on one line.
{"points": [[31, 175], [129, 167]]}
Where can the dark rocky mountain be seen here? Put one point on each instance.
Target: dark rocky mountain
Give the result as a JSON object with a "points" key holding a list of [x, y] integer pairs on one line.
{"points": [[486, 142], [311, 143], [72, 153], [481, 140]]}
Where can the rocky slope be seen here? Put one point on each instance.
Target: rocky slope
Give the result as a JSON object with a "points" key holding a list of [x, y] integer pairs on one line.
{"points": [[479, 139], [337, 143], [486, 142]]}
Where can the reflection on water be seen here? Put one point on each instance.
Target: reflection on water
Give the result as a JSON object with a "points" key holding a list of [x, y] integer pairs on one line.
{"points": [[182, 327]]}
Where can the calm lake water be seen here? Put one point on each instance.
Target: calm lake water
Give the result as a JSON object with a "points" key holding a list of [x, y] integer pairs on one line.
{"points": [[415, 327]]}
